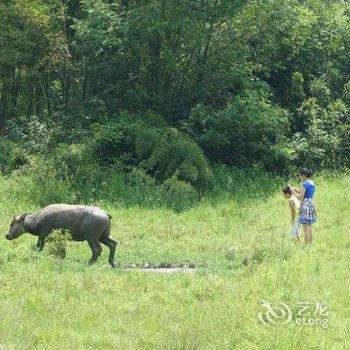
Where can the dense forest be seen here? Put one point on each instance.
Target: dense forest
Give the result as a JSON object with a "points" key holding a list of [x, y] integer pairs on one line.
{"points": [[103, 95]]}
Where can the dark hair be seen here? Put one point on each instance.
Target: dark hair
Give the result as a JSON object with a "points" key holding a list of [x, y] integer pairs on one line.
{"points": [[287, 190], [305, 172]]}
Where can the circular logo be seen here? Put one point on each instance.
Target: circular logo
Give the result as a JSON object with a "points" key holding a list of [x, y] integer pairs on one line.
{"points": [[275, 315]]}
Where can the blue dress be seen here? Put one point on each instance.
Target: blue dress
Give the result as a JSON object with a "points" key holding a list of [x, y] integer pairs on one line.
{"points": [[307, 211]]}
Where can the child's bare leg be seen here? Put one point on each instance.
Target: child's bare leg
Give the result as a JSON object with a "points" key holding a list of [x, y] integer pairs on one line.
{"points": [[306, 233], [310, 233], [308, 230]]}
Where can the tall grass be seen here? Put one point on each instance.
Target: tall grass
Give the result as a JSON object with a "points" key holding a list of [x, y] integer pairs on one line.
{"points": [[43, 184], [237, 236]]}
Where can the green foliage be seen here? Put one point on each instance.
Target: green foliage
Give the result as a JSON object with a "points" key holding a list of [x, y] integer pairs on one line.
{"points": [[246, 131], [12, 157], [297, 90], [320, 90], [240, 183], [57, 243], [100, 29], [160, 151], [45, 187], [34, 54], [325, 141], [103, 89], [118, 104], [180, 194], [54, 179], [161, 53], [32, 134], [346, 93]]}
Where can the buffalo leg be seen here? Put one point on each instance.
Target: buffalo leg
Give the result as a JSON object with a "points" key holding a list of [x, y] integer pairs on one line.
{"points": [[112, 245], [40, 244], [96, 249]]}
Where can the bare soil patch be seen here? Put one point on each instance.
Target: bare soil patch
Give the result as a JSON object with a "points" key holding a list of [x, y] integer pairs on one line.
{"points": [[164, 268]]}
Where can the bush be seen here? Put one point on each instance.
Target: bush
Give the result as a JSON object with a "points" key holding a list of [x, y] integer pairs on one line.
{"points": [[325, 140], [176, 153], [12, 157], [160, 151], [297, 93], [76, 165], [46, 185], [245, 132], [179, 194], [32, 134], [57, 243], [25, 137]]}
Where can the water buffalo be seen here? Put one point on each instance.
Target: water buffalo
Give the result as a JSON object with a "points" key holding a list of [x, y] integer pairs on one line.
{"points": [[84, 223]]}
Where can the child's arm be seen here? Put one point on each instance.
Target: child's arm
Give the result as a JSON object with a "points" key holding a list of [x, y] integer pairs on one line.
{"points": [[295, 189], [298, 193], [292, 210]]}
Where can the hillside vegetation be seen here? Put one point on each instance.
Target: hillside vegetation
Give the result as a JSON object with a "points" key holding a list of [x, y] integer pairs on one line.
{"points": [[183, 119], [163, 89]]}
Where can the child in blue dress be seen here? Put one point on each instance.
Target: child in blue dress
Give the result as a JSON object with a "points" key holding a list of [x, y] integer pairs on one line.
{"points": [[307, 211]]}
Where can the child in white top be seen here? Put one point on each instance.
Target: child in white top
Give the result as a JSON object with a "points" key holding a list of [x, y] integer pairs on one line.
{"points": [[294, 205]]}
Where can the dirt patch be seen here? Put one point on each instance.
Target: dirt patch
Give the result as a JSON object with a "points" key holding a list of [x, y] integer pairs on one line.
{"points": [[163, 268], [167, 270]]}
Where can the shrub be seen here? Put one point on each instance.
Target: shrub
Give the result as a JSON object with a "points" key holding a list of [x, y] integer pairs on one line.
{"points": [[161, 151], [176, 153], [107, 141], [25, 137], [47, 186], [179, 194], [139, 178], [32, 134], [12, 157], [57, 243], [245, 132], [76, 165], [325, 140]]}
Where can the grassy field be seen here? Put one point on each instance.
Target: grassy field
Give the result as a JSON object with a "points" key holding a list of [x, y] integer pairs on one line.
{"points": [[242, 252]]}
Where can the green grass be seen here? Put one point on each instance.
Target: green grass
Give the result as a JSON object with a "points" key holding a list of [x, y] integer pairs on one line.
{"points": [[242, 251]]}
